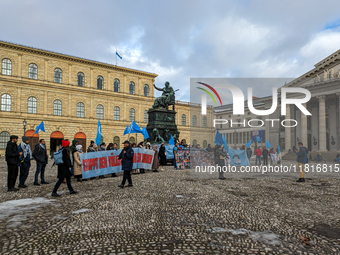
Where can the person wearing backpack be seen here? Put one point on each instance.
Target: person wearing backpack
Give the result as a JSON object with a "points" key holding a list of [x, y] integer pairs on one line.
{"points": [[25, 161], [64, 166], [301, 159], [41, 157]]}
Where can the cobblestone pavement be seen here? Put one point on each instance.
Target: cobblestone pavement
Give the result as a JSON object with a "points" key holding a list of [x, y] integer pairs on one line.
{"points": [[172, 213]]}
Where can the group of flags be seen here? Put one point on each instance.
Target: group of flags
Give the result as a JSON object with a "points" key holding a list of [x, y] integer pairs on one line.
{"points": [[135, 129]]}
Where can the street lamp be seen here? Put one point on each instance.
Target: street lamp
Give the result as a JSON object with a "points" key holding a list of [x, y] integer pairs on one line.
{"points": [[24, 123], [235, 138]]}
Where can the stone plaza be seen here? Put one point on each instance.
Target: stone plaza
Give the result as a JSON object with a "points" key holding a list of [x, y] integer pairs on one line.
{"points": [[171, 212]]}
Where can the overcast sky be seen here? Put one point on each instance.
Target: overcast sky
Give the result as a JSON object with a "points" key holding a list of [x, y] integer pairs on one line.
{"points": [[179, 40]]}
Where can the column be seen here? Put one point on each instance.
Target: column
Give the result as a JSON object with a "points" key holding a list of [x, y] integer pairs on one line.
{"points": [[288, 142], [303, 127], [322, 123]]}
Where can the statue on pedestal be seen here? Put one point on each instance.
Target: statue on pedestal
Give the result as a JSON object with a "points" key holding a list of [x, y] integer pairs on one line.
{"points": [[167, 98]]}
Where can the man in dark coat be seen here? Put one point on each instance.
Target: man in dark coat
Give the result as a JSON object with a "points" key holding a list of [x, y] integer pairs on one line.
{"points": [[25, 161], [162, 155], [40, 155], [12, 158], [64, 170], [265, 154], [126, 155], [301, 159]]}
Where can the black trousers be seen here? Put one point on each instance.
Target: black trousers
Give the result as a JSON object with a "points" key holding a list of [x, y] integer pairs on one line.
{"points": [[265, 160], [12, 176], [127, 175], [24, 171]]}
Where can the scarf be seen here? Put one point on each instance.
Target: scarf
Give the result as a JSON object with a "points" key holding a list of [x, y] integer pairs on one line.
{"points": [[42, 146], [26, 150]]}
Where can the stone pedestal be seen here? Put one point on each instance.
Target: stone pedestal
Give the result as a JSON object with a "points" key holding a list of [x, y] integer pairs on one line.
{"points": [[164, 121]]}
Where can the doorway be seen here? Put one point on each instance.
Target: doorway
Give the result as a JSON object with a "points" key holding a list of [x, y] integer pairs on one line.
{"points": [[33, 138], [55, 141], [81, 137]]}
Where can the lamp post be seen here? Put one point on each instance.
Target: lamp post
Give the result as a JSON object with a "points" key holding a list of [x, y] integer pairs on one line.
{"points": [[235, 138], [24, 123]]}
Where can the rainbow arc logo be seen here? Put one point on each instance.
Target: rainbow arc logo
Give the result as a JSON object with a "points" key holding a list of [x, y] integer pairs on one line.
{"points": [[209, 93]]}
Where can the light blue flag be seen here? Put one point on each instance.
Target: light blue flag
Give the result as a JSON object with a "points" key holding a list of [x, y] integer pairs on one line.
{"points": [[218, 138], [145, 133], [127, 130], [99, 134], [258, 139], [40, 127], [268, 145], [134, 128], [226, 147], [278, 149], [238, 157], [118, 54], [248, 144], [171, 141]]}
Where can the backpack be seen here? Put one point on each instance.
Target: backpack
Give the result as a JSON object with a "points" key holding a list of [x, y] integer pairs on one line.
{"points": [[58, 157]]}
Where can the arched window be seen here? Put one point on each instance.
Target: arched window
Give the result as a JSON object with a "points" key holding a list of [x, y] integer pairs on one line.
{"points": [[184, 120], [4, 138], [146, 90], [32, 105], [132, 88], [205, 144], [6, 103], [132, 139], [81, 79], [146, 116], [194, 121], [6, 66], [131, 114], [100, 112], [58, 75], [116, 85], [33, 71], [116, 140], [116, 113], [100, 82], [80, 110], [194, 142], [57, 108], [204, 122]]}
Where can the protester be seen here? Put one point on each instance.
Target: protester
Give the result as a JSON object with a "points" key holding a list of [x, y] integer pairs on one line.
{"points": [[220, 156], [209, 148], [272, 152], [41, 157], [126, 156], [133, 145], [73, 149], [265, 155], [25, 161], [175, 149], [90, 148], [258, 153], [155, 163], [301, 160], [198, 146], [141, 145], [12, 157], [182, 144], [249, 152], [102, 147], [318, 157], [148, 146], [77, 163], [64, 170], [162, 156], [112, 147]]}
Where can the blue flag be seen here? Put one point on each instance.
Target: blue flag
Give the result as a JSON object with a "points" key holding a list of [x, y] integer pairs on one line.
{"points": [[248, 144], [258, 139], [134, 128], [40, 127], [127, 130], [268, 145], [218, 138], [225, 143], [145, 133], [99, 134], [172, 141], [278, 149]]}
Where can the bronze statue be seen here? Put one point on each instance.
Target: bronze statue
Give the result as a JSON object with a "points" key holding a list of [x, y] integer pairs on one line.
{"points": [[167, 98], [156, 136]]}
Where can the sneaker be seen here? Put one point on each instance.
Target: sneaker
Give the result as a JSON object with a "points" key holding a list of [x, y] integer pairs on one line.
{"points": [[45, 182], [301, 180], [73, 192], [36, 184], [55, 195]]}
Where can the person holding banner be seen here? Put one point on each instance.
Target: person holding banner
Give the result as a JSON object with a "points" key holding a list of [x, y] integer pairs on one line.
{"points": [[155, 163], [77, 163], [112, 147], [126, 156]]}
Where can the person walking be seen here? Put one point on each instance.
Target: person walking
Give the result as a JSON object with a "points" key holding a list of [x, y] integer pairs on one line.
{"points": [[175, 149], [258, 153], [77, 163], [112, 147], [265, 154], [301, 160], [249, 152], [126, 155], [41, 158], [25, 161], [64, 170], [162, 156], [12, 156], [155, 162]]}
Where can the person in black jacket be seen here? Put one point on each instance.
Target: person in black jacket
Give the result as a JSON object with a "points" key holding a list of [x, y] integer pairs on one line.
{"points": [[40, 155], [64, 170], [265, 154], [162, 155], [12, 158], [126, 155]]}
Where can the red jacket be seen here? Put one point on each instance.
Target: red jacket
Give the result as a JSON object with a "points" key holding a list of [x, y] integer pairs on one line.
{"points": [[258, 152]]}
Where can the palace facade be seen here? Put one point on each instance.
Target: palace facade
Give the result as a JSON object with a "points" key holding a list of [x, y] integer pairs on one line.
{"points": [[71, 94]]}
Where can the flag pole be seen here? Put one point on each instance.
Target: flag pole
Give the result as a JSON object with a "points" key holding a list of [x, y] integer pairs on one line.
{"points": [[116, 56]]}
